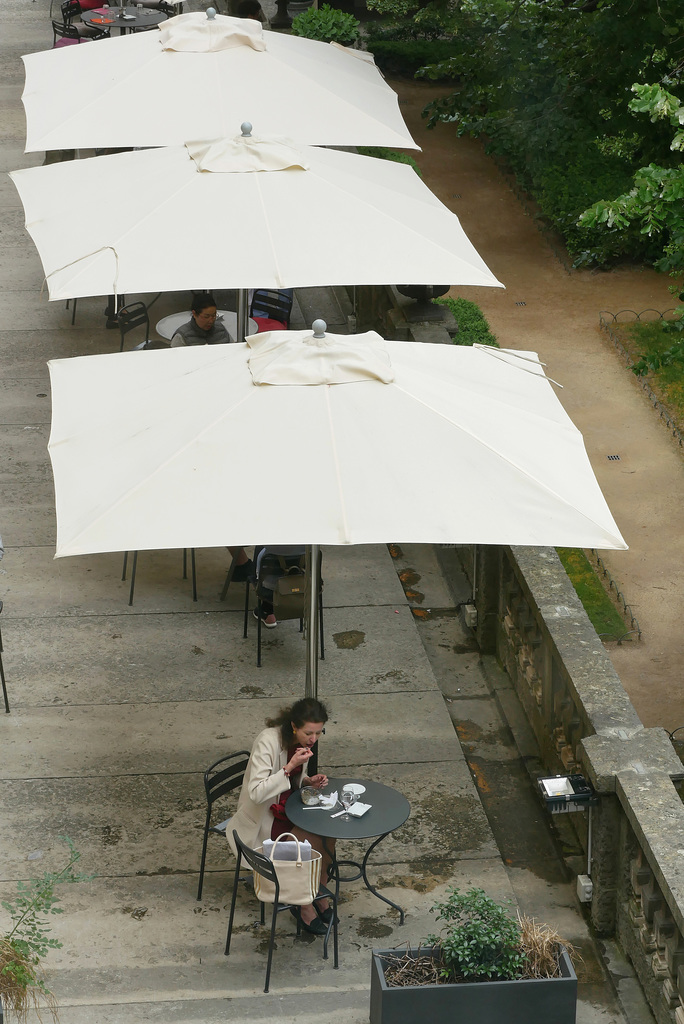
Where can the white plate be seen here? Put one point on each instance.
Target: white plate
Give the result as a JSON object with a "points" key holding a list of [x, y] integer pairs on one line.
{"points": [[355, 787]]}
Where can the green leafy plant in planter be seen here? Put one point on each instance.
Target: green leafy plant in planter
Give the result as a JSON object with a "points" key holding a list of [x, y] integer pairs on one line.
{"points": [[483, 965], [25, 944], [478, 939], [327, 24]]}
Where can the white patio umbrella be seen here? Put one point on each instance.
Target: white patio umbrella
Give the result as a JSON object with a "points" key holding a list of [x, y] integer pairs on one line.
{"points": [[194, 78], [243, 213], [399, 441]]}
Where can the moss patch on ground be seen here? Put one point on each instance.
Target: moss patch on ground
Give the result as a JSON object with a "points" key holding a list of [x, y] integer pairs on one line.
{"points": [[603, 614]]}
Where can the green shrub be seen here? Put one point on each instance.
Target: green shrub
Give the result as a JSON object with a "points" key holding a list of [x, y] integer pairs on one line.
{"points": [[563, 192], [326, 24], [479, 940], [406, 56], [473, 328], [383, 153]]}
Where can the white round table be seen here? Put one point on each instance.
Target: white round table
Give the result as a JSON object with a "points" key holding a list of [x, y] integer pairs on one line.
{"points": [[168, 325]]}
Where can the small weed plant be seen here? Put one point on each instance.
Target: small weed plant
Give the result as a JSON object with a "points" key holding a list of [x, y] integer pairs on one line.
{"points": [[26, 944]]}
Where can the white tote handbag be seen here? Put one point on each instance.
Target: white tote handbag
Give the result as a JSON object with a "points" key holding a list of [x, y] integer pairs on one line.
{"points": [[298, 868]]}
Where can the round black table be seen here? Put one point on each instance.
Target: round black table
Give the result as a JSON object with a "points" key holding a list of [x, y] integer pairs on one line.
{"points": [[389, 810], [134, 18]]}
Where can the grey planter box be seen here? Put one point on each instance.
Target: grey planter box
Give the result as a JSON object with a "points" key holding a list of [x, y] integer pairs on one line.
{"points": [[542, 1000]]}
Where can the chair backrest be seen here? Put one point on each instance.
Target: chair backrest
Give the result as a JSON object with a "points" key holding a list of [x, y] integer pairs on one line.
{"points": [[225, 775], [258, 862], [70, 9], [274, 305], [131, 316], [64, 30]]}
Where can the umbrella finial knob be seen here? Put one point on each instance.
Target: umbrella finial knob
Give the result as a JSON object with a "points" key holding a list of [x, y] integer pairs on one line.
{"points": [[319, 328], [246, 130], [211, 13]]}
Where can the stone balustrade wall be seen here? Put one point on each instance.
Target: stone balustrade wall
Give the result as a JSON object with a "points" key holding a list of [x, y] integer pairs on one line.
{"points": [[531, 617]]}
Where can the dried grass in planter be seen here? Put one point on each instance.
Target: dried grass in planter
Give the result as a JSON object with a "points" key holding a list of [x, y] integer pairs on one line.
{"points": [[542, 946], [404, 969]]}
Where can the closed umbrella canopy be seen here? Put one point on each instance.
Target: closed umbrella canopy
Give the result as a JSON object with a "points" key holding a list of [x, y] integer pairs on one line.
{"points": [[251, 212], [199, 79], [376, 441]]}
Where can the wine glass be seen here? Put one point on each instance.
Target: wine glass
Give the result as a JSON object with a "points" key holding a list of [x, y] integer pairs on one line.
{"points": [[347, 798]]}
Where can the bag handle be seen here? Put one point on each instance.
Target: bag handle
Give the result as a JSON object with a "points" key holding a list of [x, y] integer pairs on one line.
{"points": [[298, 862]]}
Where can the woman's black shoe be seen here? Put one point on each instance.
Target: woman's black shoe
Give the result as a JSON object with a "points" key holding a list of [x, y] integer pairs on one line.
{"points": [[315, 928], [324, 913]]}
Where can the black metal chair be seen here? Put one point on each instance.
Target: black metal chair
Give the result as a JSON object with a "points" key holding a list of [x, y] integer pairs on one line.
{"points": [[64, 30], [271, 305], [132, 316], [185, 571], [229, 577], [264, 867], [220, 778], [2, 673], [71, 10], [274, 563]]}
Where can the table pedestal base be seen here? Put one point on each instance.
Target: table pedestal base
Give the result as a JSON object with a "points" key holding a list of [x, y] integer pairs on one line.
{"points": [[361, 872]]}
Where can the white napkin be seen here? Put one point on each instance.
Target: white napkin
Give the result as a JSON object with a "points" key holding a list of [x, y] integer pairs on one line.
{"points": [[327, 801], [358, 810]]}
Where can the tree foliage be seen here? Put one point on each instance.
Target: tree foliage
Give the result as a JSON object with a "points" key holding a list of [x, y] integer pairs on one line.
{"points": [[547, 83], [655, 202]]}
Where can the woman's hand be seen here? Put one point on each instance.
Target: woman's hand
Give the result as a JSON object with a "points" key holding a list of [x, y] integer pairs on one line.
{"points": [[300, 756], [317, 781]]}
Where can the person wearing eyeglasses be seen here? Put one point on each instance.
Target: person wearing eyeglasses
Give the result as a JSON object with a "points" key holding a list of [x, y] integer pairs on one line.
{"points": [[204, 328]]}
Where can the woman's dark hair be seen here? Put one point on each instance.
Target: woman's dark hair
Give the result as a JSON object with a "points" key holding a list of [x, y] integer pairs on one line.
{"points": [[202, 300], [308, 709]]}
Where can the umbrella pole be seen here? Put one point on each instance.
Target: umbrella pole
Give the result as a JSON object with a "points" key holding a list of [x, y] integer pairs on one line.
{"points": [[313, 553], [242, 315]]}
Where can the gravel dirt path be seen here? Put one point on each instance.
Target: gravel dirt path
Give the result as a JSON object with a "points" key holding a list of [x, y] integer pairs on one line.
{"points": [[559, 319]]}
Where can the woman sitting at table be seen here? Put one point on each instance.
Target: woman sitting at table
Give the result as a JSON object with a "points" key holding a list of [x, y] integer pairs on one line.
{"points": [[203, 329], [276, 767]]}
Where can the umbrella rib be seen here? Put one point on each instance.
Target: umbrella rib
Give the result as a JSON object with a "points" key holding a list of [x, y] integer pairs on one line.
{"points": [[338, 472], [378, 86], [514, 465], [396, 219], [267, 227]]}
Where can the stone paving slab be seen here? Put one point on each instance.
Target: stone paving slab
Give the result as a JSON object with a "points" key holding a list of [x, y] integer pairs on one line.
{"points": [[20, 401], [355, 576], [138, 658], [151, 824], [174, 950], [48, 315], [24, 269], [166, 737]]}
